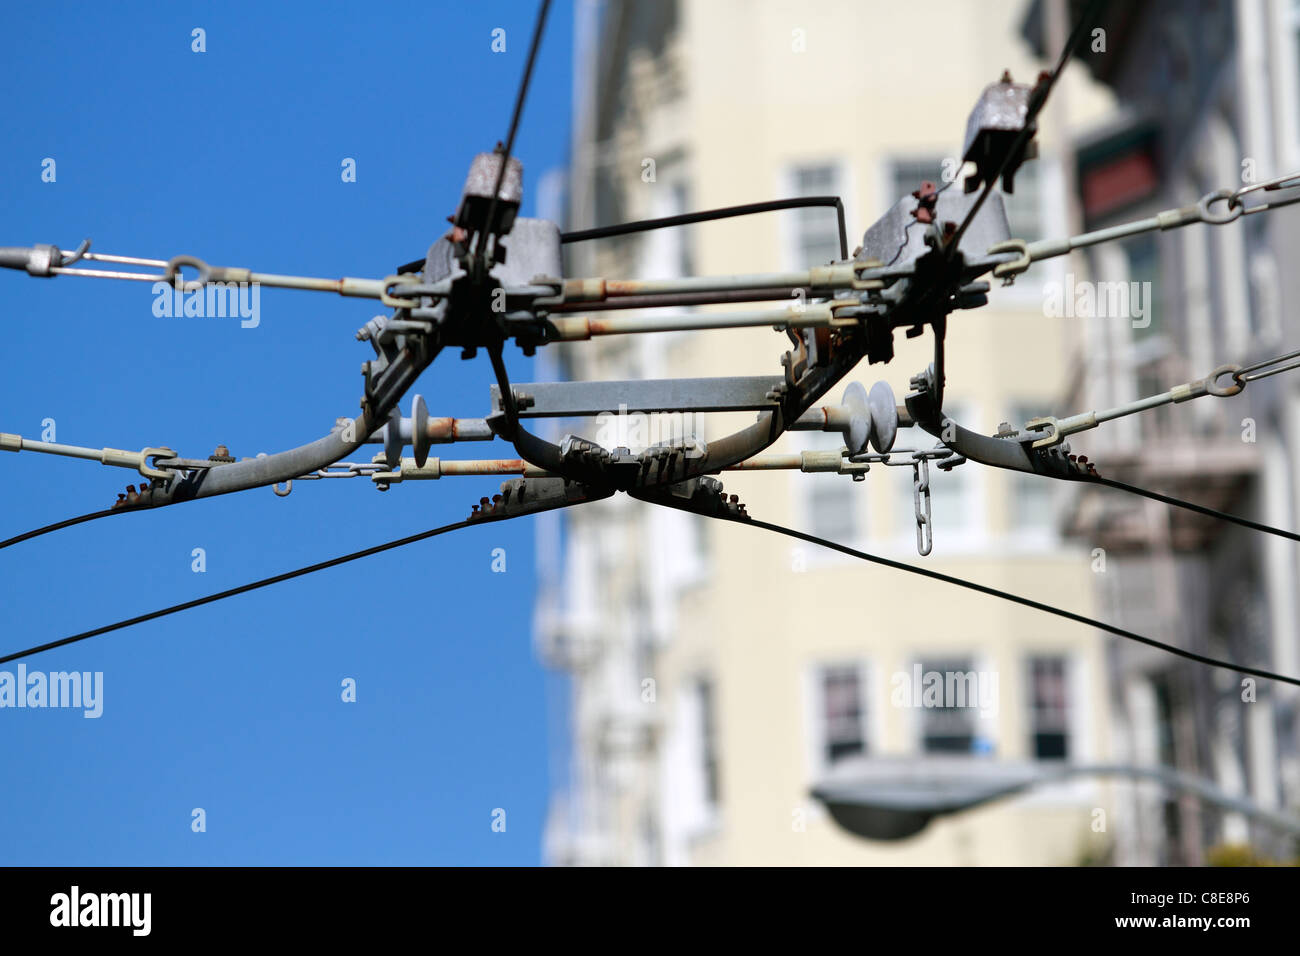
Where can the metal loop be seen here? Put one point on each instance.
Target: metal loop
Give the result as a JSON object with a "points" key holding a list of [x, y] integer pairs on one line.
{"points": [[1232, 214], [146, 454], [391, 301], [288, 484], [1007, 271], [1048, 424], [176, 263], [1213, 387]]}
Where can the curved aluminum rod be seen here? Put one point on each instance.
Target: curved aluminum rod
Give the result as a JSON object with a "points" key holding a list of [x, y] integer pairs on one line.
{"points": [[282, 466], [719, 454], [985, 449]]}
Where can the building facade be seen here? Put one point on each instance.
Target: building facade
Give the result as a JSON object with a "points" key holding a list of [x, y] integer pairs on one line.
{"points": [[716, 674], [1210, 99]]}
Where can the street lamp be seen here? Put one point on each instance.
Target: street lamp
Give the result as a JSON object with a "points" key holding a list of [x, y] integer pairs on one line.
{"points": [[895, 799]]}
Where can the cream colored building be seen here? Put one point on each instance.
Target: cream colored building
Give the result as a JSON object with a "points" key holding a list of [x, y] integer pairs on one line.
{"points": [[717, 671]]}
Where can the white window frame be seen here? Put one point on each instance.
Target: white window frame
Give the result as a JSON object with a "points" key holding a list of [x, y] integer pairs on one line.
{"points": [[1284, 21], [786, 189], [1072, 791], [814, 696]]}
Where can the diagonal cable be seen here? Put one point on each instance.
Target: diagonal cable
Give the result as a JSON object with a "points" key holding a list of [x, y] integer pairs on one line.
{"points": [[1014, 598], [1037, 99]]}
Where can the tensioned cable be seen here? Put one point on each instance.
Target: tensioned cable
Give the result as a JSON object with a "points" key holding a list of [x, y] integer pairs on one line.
{"points": [[1014, 598], [767, 526], [1037, 99], [66, 523], [709, 215], [251, 586], [522, 95], [1190, 506]]}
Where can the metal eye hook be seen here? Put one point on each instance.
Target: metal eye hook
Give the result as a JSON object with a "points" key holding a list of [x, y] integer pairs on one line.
{"points": [[176, 263], [75, 256], [1007, 271], [1233, 212], [1049, 424], [288, 485], [1213, 387]]}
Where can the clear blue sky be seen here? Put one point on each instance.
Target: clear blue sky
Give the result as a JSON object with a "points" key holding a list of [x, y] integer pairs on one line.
{"points": [[233, 155]]}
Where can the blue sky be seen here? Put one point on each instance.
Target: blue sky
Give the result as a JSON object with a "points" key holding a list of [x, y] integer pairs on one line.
{"points": [[234, 155]]}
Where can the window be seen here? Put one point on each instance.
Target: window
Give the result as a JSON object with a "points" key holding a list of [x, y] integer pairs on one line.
{"points": [[830, 500], [1024, 206], [816, 236], [843, 715], [908, 174], [1049, 713], [949, 728], [1295, 41], [1143, 257], [708, 741]]}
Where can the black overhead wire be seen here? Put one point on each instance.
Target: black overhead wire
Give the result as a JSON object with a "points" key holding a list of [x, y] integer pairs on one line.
{"points": [[709, 215], [1014, 598], [251, 586], [1190, 506], [522, 95], [1037, 99], [764, 525], [66, 523]]}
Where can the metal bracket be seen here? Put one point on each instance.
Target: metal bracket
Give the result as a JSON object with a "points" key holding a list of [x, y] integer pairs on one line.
{"points": [[524, 496], [702, 496], [579, 399]]}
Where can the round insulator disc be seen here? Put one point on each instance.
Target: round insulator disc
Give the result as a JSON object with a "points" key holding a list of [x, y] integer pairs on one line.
{"points": [[419, 431], [393, 438], [884, 416], [856, 401]]}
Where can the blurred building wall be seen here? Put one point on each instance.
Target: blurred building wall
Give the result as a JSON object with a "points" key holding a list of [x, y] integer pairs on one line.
{"points": [[1210, 97], [717, 672]]}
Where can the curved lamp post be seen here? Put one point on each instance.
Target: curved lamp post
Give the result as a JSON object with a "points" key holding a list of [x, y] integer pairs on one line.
{"points": [[892, 800]]}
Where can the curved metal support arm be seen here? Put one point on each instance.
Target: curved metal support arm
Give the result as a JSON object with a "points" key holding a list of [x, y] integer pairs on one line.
{"points": [[1176, 780], [657, 467], [985, 449], [286, 465]]}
